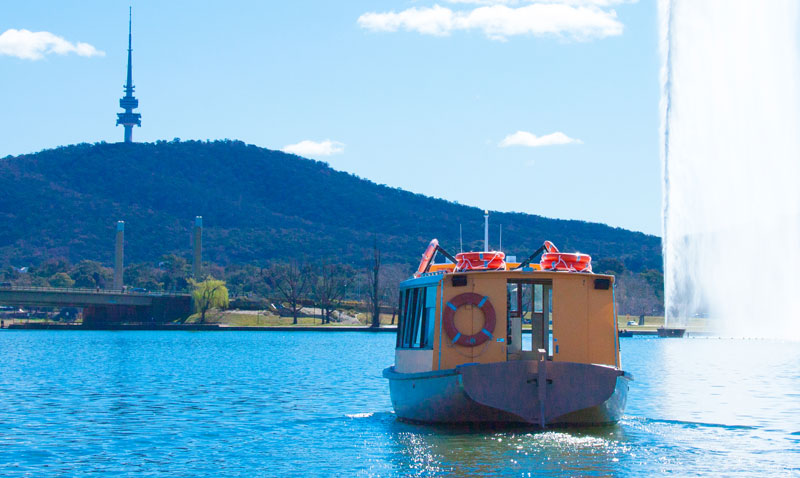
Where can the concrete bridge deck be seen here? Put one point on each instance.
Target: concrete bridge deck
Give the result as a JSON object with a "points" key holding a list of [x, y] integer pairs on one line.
{"points": [[103, 306], [63, 297]]}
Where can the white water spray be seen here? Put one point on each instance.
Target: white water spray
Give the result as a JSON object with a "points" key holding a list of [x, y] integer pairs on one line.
{"points": [[731, 158]]}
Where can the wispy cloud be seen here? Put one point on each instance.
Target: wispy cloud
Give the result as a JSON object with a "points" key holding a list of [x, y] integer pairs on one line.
{"points": [[599, 3], [574, 19], [314, 148], [30, 45], [524, 138]]}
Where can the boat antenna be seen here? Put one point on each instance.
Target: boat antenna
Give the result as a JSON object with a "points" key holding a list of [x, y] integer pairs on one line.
{"points": [[460, 239], [486, 230]]}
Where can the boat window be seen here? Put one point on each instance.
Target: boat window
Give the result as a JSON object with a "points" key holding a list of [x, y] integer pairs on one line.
{"points": [[417, 318], [430, 315]]}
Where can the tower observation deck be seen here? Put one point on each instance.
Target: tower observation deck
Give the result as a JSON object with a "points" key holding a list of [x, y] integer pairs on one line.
{"points": [[129, 119]]}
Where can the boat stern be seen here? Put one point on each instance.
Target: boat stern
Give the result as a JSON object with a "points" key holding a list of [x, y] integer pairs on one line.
{"points": [[510, 392]]}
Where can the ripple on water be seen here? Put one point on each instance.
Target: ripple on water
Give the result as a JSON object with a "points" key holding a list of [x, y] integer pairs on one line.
{"points": [[313, 404]]}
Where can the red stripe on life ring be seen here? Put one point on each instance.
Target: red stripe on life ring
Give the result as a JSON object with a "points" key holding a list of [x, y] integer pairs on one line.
{"points": [[479, 301]]}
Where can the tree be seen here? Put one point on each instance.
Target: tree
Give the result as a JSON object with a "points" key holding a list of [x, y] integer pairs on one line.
{"points": [[61, 279], [656, 280], [175, 272], [143, 275], [244, 279], [373, 296], [636, 295], [393, 274], [292, 282], [8, 274], [608, 265], [90, 274], [329, 287], [50, 267], [209, 294]]}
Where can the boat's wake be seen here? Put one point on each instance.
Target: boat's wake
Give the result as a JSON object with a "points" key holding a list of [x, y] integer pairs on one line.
{"points": [[359, 415], [685, 423]]}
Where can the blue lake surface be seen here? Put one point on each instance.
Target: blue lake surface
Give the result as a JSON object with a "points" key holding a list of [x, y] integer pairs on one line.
{"points": [[315, 404]]}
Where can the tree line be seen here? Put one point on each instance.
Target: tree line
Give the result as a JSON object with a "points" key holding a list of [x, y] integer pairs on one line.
{"points": [[294, 284], [287, 285]]}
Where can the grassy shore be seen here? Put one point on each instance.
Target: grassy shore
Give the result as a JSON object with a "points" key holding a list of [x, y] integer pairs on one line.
{"points": [[252, 318], [651, 323]]}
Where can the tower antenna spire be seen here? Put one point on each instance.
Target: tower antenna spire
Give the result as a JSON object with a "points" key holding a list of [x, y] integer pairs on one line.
{"points": [[129, 119], [129, 84]]}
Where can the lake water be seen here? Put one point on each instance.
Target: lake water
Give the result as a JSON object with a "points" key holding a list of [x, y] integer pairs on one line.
{"points": [[314, 404]]}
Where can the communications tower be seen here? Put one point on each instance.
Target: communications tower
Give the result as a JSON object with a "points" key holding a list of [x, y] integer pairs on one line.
{"points": [[129, 119]]}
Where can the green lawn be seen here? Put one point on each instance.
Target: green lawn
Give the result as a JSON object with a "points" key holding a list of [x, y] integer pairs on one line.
{"points": [[247, 319], [653, 322]]}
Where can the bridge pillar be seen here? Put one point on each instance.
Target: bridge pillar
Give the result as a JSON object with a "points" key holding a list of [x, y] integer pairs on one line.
{"points": [[119, 251], [197, 246]]}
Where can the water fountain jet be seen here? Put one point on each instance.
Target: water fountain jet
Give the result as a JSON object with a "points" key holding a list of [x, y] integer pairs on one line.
{"points": [[731, 164]]}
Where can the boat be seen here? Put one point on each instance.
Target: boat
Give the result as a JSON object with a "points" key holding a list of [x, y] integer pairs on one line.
{"points": [[625, 333], [482, 340], [671, 332]]}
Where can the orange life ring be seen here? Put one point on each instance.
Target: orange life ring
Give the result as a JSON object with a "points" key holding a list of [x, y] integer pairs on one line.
{"points": [[550, 247], [479, 301], [427, 258], [571, 262], [480, 261]]}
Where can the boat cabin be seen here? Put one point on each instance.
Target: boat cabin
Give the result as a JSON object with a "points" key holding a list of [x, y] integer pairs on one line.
{"points": [[450, 318]]}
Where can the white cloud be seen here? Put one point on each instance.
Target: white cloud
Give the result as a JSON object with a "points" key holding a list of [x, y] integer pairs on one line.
{"points": [[430, 21], [485, 2], [524, 138], [30, 45], [576, 19], [314, 148], [599, 3]]}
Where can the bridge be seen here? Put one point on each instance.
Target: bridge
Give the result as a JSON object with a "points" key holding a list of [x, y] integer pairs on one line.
{"points": [[103, 306]]}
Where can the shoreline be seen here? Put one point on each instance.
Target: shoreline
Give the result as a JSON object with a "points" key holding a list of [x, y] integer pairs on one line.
{"points": [[204, 327], [237, 328]]}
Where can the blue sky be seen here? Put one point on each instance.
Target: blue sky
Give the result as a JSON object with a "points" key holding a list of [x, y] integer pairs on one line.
{"points": [[546, 107]]}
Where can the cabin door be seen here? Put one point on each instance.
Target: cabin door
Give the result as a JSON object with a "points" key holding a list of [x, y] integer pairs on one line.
{"points": [[529, 319]]}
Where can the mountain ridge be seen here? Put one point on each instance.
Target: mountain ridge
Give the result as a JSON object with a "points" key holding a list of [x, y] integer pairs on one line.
{"points": [[259, 206]]}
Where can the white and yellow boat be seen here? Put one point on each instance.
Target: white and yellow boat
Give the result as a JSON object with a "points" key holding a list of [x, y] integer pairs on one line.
{"points": [[480, 340]]}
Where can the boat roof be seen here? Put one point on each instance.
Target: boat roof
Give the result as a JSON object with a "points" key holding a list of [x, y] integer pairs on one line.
{"points": [[431, 278]]}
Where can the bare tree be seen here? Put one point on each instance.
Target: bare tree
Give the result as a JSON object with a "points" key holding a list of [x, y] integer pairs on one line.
{"points": [[374, 292], [636, 296], [292, 282], [393, 274], [329, 288]]}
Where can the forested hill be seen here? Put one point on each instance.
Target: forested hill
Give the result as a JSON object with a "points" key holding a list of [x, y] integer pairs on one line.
{"points": [[258, 206]]}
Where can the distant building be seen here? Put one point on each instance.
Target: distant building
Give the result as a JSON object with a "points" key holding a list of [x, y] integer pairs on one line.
{"points": [[128, 119]]}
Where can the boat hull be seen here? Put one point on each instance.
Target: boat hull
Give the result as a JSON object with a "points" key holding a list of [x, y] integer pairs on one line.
{"points": [[509, 393]]}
